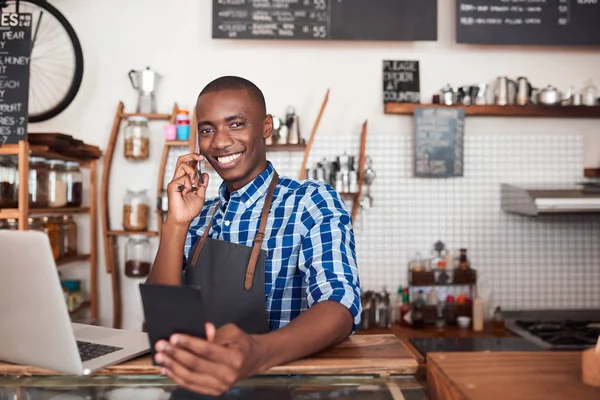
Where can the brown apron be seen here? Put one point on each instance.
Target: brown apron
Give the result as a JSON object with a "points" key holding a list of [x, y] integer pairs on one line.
{"points": [[231, 276]]}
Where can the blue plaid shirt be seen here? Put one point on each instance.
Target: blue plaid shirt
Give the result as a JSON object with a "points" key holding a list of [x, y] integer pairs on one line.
{"points": [[308, 238]]}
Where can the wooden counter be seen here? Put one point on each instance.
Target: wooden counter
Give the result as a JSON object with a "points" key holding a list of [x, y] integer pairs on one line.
{"points": [[381, 355], [490, 376]]}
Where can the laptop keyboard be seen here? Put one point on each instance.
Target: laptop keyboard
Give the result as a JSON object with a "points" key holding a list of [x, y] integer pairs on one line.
{"points": [[89, 351]]}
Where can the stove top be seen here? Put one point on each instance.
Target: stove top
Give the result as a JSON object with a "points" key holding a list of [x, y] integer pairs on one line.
{"points": [[577, 331], [428, 345]]}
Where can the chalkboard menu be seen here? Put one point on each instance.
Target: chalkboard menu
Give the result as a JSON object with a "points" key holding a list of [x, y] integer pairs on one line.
{"points": [[15, 48], [400, 20], [401, 82], [438, 142], [539, 22]]}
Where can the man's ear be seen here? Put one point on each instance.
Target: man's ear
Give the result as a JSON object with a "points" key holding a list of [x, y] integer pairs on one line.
{"points": [[268, 131]]}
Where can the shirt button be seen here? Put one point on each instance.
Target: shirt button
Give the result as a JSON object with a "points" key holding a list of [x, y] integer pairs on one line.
{"points": [[227, 223]]}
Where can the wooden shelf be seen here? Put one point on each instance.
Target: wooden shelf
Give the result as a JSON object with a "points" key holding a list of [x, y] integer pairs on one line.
{"points": [[81, 307], [152, 117], [132, 233], [286, 147], [591, 172], [177, 143], [503, 111], [348, 194], [71, 259], [40, 151], [14, 212]]}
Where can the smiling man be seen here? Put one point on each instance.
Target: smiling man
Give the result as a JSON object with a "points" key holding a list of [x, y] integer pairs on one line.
{"points": [[274, 257]]}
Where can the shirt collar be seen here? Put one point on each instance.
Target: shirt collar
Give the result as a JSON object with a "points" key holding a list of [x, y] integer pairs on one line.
{"points": [[253, 191]]}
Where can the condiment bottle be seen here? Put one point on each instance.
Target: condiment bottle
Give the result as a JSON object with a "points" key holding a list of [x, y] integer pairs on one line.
{"points": [[478, 314], [498, 323]]}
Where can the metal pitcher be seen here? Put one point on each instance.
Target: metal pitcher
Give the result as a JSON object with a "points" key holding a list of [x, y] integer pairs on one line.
{"points": [[145, 82], [524, 90], [506, 90]]}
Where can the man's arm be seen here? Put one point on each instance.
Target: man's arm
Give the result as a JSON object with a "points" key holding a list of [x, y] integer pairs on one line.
{"points": [[328, 264], [167, 263]]}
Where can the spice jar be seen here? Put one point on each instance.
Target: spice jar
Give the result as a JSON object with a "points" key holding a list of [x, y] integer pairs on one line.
{"points": [[9, 175], [137, 257], [35, 224], [38, 182], [69, 229], [137, 138], [53, 232], [57, 186], [74, 181], [136, 210]]}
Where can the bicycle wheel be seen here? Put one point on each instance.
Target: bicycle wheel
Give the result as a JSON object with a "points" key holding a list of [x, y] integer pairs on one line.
{"points": [[56, 65]]}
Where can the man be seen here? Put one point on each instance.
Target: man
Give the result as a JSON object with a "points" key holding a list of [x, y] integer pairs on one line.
{"points": [[274, 257]]}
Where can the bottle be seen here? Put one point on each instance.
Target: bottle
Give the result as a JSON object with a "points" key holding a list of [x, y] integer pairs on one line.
{"points": [[463, 262], [405, 308], [478, 311], [498, 323], [418, 316]]}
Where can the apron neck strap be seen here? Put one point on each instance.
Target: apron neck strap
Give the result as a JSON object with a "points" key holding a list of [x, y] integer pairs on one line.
{"points": [[260, 235], [258, 239]]}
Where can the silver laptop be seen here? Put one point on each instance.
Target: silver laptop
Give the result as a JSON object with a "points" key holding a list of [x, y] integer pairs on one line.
{"points": [[35, 326]]}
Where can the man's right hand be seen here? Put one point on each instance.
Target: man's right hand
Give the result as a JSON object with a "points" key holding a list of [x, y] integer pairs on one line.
{"points": [[185, 205]]}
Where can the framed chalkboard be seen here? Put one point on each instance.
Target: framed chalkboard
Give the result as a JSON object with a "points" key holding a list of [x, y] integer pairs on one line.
{"points": [[438, 142], [548, 22], [15, 48], [384, 20], [401, 82]]}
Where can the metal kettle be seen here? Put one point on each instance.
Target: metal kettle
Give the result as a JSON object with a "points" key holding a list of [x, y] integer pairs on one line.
{"points": [[145, 82]]}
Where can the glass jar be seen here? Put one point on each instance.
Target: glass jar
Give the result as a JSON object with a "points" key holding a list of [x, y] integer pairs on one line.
{"points": [[136, 210], [69, 236], [11, 224], [35, 224], [38, 182], [137, 138], [137, 257], [57, 185], [74, 181], [53, 232], [9, 182]]}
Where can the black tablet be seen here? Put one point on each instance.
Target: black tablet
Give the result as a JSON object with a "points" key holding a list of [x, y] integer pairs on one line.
{"points": [[171, 309]]}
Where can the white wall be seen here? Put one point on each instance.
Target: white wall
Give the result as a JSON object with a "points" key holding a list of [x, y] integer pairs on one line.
{"points": [[174, 38]]}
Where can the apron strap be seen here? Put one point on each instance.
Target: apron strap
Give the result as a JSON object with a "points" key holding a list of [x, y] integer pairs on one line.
{"points": [[204, 236], [260, 235]]}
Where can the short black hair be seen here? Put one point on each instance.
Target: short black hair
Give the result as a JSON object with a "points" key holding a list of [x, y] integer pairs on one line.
{"points": [[237, 83]]}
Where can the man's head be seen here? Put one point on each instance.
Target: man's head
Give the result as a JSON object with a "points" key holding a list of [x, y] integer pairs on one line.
{"points": [[232, 127]]}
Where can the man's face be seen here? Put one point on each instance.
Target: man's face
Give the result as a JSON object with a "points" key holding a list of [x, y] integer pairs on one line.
{"points": [[231, 134]]}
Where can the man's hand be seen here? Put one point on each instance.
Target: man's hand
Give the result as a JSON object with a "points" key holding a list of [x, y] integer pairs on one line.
{"points": [[210, 366]]}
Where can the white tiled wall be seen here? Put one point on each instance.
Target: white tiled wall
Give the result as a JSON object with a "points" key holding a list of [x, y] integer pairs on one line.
{"points": [[544, 262]]}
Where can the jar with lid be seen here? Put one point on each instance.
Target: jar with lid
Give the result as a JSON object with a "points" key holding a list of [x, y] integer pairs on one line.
{"points": [[38, 182], [9, 182], [74, 180], [57, 186], [137, 138], [182, 122], [69, 230], [53, 232], [35, 224], [137, 257], [136, 210]]}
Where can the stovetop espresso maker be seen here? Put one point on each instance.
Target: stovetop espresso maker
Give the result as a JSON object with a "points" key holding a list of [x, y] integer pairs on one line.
{"points": [[145, 82]]}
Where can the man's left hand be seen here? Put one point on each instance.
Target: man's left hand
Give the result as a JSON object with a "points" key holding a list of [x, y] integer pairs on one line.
{"points": [[210, 366]]}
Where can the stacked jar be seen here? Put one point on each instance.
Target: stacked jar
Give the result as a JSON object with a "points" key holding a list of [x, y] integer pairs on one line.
{"points": [[137, 138], [137, 257], [182, 121], [69, 236], [136, 210]]}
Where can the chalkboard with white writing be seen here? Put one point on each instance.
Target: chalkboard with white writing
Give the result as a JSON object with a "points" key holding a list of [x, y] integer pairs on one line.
{"points": [[15, 49], [438, 142], [384, 20], [401, 82], [532, 22]]}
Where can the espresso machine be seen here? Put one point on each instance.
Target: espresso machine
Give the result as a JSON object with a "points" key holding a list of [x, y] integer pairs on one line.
{"points": [[145, 82]]}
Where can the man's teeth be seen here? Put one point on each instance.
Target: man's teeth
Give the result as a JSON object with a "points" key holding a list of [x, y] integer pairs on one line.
{"points": [[228, 159]]}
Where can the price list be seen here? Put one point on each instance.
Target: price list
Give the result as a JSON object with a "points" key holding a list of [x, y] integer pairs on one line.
{"points": [[543, 22], [15, 49]]}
